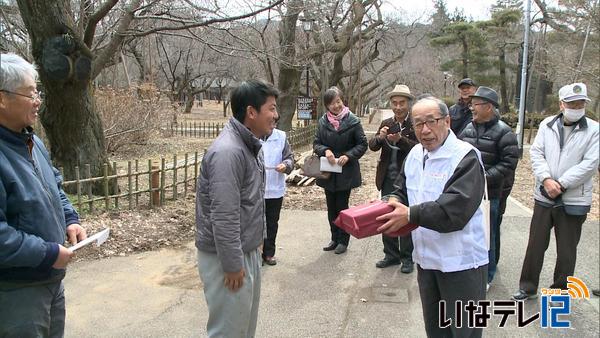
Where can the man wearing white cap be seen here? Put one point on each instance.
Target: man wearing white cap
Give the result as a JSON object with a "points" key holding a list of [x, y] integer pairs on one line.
{"points": [[564, 157], [395, 138]]}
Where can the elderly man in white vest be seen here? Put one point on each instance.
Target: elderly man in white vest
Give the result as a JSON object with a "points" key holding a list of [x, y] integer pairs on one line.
{"points": [[440, 189]]}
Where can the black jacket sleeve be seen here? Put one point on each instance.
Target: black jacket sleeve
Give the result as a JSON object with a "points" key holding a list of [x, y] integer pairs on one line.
{"points": [[360, 147], [456, 205]]}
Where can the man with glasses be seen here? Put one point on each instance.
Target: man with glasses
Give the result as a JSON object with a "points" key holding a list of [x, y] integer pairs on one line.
{"points": [[564, 157], [440, 187], [395, 138], [35, 214], [498, 146]]}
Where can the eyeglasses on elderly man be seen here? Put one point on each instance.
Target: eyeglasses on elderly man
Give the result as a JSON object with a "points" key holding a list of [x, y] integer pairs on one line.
{"points": [[32, 98]]}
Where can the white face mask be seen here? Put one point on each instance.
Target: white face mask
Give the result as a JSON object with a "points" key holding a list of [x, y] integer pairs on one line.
{"points": [[573, 115]]}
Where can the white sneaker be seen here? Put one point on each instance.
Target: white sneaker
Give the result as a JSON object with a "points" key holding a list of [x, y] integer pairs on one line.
{"points": [[487, 288]]}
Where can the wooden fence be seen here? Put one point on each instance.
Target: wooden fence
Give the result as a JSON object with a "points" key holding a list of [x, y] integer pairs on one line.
{"points": [[135, 186], [196, 129], [297, 137]]}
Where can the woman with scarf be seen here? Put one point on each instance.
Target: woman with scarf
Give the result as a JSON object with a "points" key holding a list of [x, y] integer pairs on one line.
{"points": [[340, 138]]}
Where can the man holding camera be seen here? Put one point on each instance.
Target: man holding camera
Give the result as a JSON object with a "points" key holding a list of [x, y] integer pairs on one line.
{"points": [[395, 138]]}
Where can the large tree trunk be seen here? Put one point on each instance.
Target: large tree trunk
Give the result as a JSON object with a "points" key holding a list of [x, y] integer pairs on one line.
{"points": [[289, 76], [71, 122]]}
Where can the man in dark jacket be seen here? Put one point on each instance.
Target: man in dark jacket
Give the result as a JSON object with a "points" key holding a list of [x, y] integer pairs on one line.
{"points": [[395, 138], [498, 146], [230, 213], [460, 113], [35, 214]]}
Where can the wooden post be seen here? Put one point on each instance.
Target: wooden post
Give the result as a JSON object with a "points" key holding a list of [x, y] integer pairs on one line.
{"points": [[137, 183], [88, 173], [195, 169], [154, 181], [174, 177], [106, 196], [116, 186], [163, 175], [185, 176], [77, 178], [129, 185]]}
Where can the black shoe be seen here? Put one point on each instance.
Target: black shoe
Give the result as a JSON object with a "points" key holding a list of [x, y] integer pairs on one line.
{"points": [[340, 249], [269, 260], [330, 246], [384, 263], [522, 295], [407, 267], [596, 292]]}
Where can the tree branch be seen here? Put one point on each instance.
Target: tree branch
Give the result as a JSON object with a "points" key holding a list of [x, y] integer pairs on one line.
{"points": [[115, 42], [204, 23], [93, 20]]}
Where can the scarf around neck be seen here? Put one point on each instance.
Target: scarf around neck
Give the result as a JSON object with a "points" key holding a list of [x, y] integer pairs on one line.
{"points": [[335, 119]]}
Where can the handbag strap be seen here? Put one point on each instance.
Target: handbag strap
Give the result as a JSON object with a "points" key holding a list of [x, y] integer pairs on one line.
{"points": [[485, 190]]}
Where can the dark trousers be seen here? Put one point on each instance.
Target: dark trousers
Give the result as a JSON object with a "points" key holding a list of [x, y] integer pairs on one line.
{"points": [[272, 210], [33, 311], [396, 248], [567, 230], [435, 286], [496, 243], [336, 202], [494, 237]]}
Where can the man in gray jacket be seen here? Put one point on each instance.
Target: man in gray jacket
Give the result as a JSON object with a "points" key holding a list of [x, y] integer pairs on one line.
{"points": [[564, 157], [230, 214]]}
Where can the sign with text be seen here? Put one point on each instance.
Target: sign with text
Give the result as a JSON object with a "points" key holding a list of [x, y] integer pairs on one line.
{"points": [[306, 107]]}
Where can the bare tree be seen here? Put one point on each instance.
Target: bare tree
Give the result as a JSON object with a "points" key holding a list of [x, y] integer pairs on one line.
{"points": [[69, 60]]}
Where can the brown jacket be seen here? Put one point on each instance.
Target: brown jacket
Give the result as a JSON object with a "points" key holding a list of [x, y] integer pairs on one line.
{"points": [[405, 144]]}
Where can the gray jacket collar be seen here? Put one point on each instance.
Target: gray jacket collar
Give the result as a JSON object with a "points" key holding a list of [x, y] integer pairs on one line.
{"points": [[245, 134]]}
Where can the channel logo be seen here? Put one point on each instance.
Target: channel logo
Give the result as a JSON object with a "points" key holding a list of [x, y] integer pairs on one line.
{"points": [[555, 304], [577, 289]]}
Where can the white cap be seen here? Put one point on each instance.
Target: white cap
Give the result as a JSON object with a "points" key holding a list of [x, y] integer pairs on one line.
{"points": [[573, 92]]}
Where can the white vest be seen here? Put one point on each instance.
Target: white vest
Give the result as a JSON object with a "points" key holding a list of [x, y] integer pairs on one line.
{"points": [[273, 152], [446, 252]]}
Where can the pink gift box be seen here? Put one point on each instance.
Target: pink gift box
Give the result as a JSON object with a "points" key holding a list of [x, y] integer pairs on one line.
{"points": [[360, 221]]}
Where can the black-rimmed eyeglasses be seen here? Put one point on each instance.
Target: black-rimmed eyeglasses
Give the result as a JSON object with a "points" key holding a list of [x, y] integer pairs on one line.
{"points": [[430, 123]]}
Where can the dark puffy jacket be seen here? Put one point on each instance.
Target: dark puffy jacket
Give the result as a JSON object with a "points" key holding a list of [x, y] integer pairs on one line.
{"points": [[460, 117], [349, 140], [34, 211], [499, 152]]}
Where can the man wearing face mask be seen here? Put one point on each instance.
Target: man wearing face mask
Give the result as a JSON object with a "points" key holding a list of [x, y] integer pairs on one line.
{"points": [[564, 157]]}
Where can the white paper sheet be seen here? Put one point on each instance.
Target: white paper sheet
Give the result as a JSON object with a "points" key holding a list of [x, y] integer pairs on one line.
{"points": [[326, 166], [99, 238]]}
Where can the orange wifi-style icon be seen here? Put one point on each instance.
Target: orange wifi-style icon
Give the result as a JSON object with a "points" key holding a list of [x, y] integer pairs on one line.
{"points": [[577, 288]]}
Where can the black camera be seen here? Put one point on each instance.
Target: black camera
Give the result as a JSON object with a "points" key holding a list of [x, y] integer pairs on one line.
{"points": [[395, 128]]}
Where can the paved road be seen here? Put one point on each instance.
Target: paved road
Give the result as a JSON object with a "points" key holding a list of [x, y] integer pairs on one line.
{"points": [[310, 293]]}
